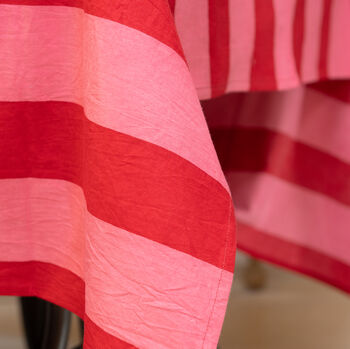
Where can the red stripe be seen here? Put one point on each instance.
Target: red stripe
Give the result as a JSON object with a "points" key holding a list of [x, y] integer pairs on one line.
{"points": [[127, 182], [338, 89], [219, 39], [263, 66], [261, 150], [59, 286], [172, 6], [294, 257], [323, 59], [151, 17], [298, 34], [43, 280]]}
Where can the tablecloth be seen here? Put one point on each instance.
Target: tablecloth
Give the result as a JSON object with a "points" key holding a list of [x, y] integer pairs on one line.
{"points": [[112, 200], [274, 77]]}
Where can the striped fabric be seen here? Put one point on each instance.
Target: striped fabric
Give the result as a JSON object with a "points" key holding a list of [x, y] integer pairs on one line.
{"points": [[112, 200], [275, 77], [256, 45], [286, 156]]}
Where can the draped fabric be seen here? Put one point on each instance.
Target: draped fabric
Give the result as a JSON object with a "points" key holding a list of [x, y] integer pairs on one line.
{"points": [[112, 200], [274, 79]]}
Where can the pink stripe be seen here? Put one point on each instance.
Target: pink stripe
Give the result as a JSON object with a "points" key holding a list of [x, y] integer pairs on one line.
{"points": [[192, 24], [109, 69], [292, 213], [42, 220], [138, 290], [304, 114], [286, 74], [338, 46], [242, 34], [312, 34]]}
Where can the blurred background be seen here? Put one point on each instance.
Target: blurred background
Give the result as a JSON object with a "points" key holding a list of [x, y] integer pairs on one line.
{"points": [[269, 308]]}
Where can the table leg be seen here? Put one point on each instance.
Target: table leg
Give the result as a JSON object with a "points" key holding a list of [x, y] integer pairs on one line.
{"points": [[254, 275], [46, 325]]}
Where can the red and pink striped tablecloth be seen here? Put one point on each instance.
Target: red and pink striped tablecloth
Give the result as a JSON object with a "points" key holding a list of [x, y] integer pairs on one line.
{"points": [[275, 79], [112, 200]]}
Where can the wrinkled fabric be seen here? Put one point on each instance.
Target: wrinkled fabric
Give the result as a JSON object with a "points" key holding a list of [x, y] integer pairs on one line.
{"points": [[112, 200]]}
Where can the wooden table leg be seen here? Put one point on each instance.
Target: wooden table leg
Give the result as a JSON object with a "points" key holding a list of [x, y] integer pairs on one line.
{"points": [[254, 275]]}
